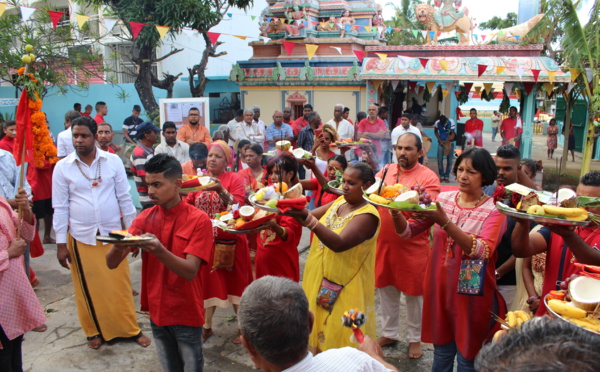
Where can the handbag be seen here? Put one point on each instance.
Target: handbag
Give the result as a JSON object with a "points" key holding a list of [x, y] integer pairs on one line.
{"points": [[224, 255], [471, 277], [328, 294]]}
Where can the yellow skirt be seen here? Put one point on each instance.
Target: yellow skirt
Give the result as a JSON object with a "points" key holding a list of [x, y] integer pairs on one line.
{"points": [[104, 299]]}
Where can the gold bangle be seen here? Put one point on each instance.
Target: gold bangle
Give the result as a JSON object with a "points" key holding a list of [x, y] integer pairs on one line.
{"points": [[445, 226]]}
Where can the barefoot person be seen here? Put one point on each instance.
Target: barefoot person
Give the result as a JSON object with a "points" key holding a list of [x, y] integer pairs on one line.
{"points": [[171, 286], [89, 193]]}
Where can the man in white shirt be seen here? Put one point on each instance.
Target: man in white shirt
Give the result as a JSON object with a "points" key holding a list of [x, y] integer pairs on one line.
{"points": [[248, 129], [404, 127], [343, 127], [239, 117], [275, 323], [171, 145], [64, 141], [90, 192], [257, 121]]}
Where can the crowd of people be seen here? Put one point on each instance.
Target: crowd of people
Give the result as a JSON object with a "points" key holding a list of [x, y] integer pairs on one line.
{"points": [[453, 265]]}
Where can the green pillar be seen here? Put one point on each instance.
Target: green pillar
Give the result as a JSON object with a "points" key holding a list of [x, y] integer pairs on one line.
{"points": [[527, 118]]}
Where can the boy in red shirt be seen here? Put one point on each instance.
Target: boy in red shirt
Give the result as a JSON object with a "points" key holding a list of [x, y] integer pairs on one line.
{"points": [[171, 288]]}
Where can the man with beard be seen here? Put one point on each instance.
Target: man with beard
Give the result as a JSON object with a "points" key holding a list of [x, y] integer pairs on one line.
{"points": [[172, 146], [194, 131], [411, 255]]}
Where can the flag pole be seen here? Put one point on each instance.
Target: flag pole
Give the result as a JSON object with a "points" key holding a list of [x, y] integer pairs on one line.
{"points": [[22, 169]]}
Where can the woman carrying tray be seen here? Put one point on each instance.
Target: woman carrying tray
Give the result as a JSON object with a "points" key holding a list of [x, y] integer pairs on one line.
{"points": [[460, 284]]}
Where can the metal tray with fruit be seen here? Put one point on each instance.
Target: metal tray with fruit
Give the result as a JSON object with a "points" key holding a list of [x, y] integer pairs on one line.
{"points": [[404, 199], [538, 218], [577, 321]]}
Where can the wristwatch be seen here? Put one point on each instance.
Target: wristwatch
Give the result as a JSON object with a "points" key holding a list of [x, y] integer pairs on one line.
{"points": [[497, 275]]}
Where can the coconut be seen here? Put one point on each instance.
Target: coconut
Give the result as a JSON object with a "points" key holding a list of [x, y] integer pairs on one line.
{"points": [[299, 153], [283, 145], [226, 217], [247, 212], [566, 198], [411, 196], [294, 192], [585, 292], [528, 201], [375, 186], [204, 180]]}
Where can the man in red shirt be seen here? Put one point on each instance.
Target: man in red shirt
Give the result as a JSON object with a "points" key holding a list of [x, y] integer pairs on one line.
{"points": [[301, 122], [287, 116], [564, 246], [511, 128], [182, 240], [372, 128], [474, 130], [101, 111]]}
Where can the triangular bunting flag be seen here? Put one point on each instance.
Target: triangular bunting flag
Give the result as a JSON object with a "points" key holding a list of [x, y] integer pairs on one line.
{"points": [[551, 75], [570, 87], [339, 50], [444, 64], [589, 73], [229, 15], [2, 8], [241, 37], [477, 90], [500, 69], [289, 47], [468, 87], [549, 87], [382, 56], [483, 37], [347, 27], [55, 17], [82, 19], [189, 32], [360, 54], [136, 28], [388, 30], [520, 72], [424, 33], [431, 34], [476, 37], [395, 84], [456, 94], [415, 33], [420, 90], [322, 24], [535, 73], [398, 29], [26, 12], [439, 33], [213, 37], [266, 39], [253, 17], [269, 19], [368, 28], [508, 88], [500, 33], [331, 25], [430, 85], [574, 73], [518, 93], [444, 92], [162, 31], [481, 69], [488, 88], [314, 23], [528, 87], [109, 23], [311, 49], [517, 37], [449, 86], [412, 85], [423, 62], [457, 35]]}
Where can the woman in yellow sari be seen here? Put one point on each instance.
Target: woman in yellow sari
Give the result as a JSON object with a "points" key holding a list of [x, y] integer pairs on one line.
{"points": [[342, 254]]}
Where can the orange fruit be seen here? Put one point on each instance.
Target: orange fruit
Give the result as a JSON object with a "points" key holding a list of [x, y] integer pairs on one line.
{"points": [[239, 222], [284, 187]]}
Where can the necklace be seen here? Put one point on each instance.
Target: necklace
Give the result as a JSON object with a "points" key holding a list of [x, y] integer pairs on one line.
{"points": [[96, 180], [476, 203]]}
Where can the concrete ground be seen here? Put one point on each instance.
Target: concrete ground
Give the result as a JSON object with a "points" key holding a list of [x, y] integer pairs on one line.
{"points": [[63, 346]]}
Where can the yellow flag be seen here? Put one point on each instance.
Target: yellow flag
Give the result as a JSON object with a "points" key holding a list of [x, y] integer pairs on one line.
{"points": [[2, 8], [488, 88], [311, 50], [444, 65], [81, 19], [574, 74], [368, 28], [518, 93], [240, 37], [551, 75], [382, 56], [444, 92], [323, 24], [430, 85], [499, 69], [477, 90], [549, 87], [162, 31]]}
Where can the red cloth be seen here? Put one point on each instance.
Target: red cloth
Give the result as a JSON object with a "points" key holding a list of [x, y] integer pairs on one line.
{"points": [[36, 248], [23, 119], [321, 197], [86, 114], [365, 125], [413, 256], [278, 257], [111, 150], [170, 299], [297, 203], [298, 125], [7, 144], [508, 127], [248, 177], [554, 253], [475, 129], [40, 180], [99, 119]]}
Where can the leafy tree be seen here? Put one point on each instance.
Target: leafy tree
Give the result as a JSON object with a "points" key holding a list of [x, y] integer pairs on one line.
{"points": [[404, 19], [497, 23]]}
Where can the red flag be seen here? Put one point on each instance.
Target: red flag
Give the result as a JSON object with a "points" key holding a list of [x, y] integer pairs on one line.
{"points": [[481, 69], [535, 73], [289, 47], [468, 87], [423, 62], [213, 36], [55, 17], [528, 87], [136, 27], [412, 85], [24, 131], [360, 54]]}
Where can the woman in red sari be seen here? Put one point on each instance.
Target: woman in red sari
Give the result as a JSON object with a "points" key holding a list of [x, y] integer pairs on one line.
{"points": [[319, 181], [253, 176], [277, 252], [468, 228], [225, 279]]}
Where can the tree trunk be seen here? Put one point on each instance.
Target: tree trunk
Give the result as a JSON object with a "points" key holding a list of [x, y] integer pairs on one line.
{"points": [[143, 82], [197, 90]]}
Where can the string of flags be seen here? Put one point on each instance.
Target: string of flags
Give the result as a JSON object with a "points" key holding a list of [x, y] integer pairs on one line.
{"points": [[311, 49]]}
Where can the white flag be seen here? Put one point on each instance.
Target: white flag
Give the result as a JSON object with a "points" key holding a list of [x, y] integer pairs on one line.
{"points": [[26, 12]]}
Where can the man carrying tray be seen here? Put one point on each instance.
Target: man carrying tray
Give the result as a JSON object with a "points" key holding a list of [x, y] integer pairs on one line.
{"points": [[400, 263]]}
